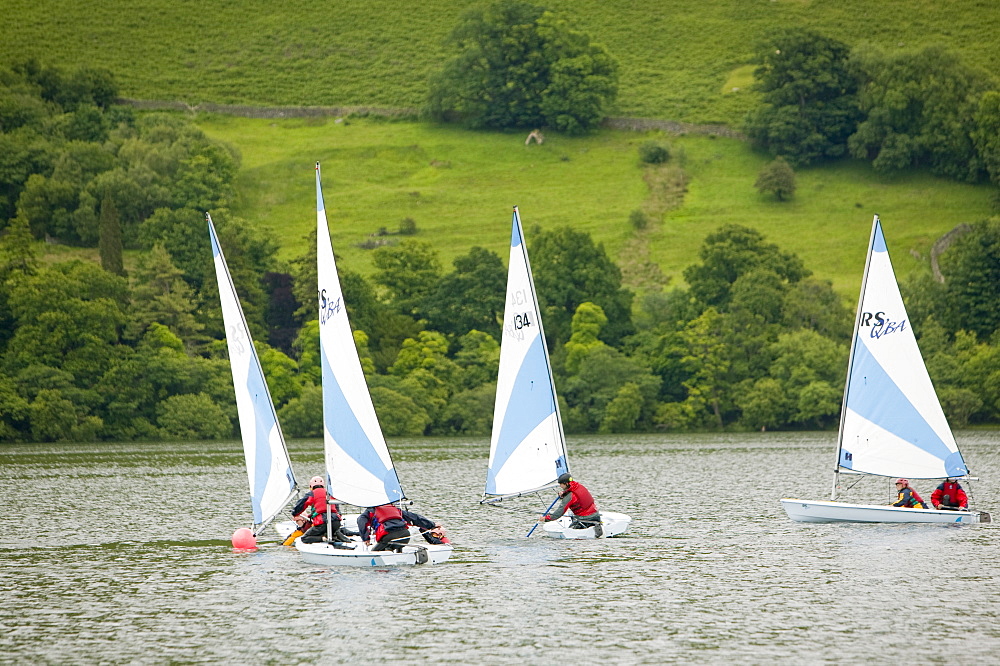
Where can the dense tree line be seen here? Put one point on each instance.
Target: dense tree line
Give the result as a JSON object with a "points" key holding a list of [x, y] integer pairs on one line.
{"points": [[823, 99]]}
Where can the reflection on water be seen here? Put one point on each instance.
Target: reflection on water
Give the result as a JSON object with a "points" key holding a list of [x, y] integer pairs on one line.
{"points": [[120, 553]]}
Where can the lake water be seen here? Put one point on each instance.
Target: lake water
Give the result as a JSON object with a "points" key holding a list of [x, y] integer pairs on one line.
{"points": [[120, 553]]}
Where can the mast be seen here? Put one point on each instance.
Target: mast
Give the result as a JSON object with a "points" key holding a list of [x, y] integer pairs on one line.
{"points": [[850, 361]]}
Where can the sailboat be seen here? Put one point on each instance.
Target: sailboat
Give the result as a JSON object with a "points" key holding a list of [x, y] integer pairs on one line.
{"points": [[269, 470], [891, 422], [359, 468], [528, 446]]}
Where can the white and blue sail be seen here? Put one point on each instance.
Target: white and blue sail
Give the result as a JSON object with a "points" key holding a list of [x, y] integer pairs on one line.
{"points": [[358, 465], [269, 469], [892, 423], [528, 446]]}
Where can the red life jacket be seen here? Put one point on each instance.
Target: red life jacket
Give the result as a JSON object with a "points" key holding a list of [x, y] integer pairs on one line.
{"points": [[318, 504], [384, 514], [582, 503], [956, 496]]}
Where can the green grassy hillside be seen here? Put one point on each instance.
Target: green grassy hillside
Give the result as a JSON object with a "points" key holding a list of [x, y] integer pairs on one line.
{"points": [[680, 60], [459, 187]]}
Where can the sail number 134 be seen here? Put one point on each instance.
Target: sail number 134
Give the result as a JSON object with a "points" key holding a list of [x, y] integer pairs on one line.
{"points": [[522, 320]]}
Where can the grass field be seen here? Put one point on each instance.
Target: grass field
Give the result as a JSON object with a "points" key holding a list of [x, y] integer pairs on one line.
{"points": [[459, 188], [680, 60], [683, 60]]}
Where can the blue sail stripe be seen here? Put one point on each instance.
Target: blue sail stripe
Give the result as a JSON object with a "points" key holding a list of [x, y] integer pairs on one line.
{"points": [[515, 235], [873, 395], [341, 420], [530, 403], [265, 423], [878, 243], [265, 419]]}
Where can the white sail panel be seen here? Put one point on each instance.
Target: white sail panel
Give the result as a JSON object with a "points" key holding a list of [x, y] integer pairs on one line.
{"points": [[269, 469], [892, 423], [527, 448], [528, 466], [358, 464]]}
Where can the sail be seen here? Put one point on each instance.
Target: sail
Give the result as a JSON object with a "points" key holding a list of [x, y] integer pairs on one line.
{"points": [[358, 465], [528, 448], [269, 470], [892, 423]]}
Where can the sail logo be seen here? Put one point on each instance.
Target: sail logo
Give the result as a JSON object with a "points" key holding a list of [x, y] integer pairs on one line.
{"points": [[328, 308], [237, 340], [881, 325]]}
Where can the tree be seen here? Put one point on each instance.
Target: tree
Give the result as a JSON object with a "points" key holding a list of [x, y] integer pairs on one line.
{"points": [[986, 134], [569, 270], [731, 252], [601, 379], [468, 412], [708, 365], [399, 414], [622, 413], [192, 416], [471, 297], [971, 268], [919, 107], [14, 411], [519, 65], [409, 272], [813, 304], [478, 356], [809, 370], [111, 238], [776, 178], [160, 294], [139, 379], [588, 320], [68, 316], [764, 404], [809, 97], [23, 152], [18, 259], [303, 416]]}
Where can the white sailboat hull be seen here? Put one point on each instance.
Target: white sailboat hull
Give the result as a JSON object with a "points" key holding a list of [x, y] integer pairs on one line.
{"points": [[810, 511], [361, 555], [612, 524], [286, 527]]}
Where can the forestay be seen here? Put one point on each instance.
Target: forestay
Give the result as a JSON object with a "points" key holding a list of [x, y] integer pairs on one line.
{"points": [[892, 422], [269, 469], [528, 447], [358, 465]]}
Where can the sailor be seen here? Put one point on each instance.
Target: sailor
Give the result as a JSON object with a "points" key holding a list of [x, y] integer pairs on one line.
{"points": [[575, 497], [387, 524], [315, 510], [950, 496], [907, 496], [391, 527]]}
